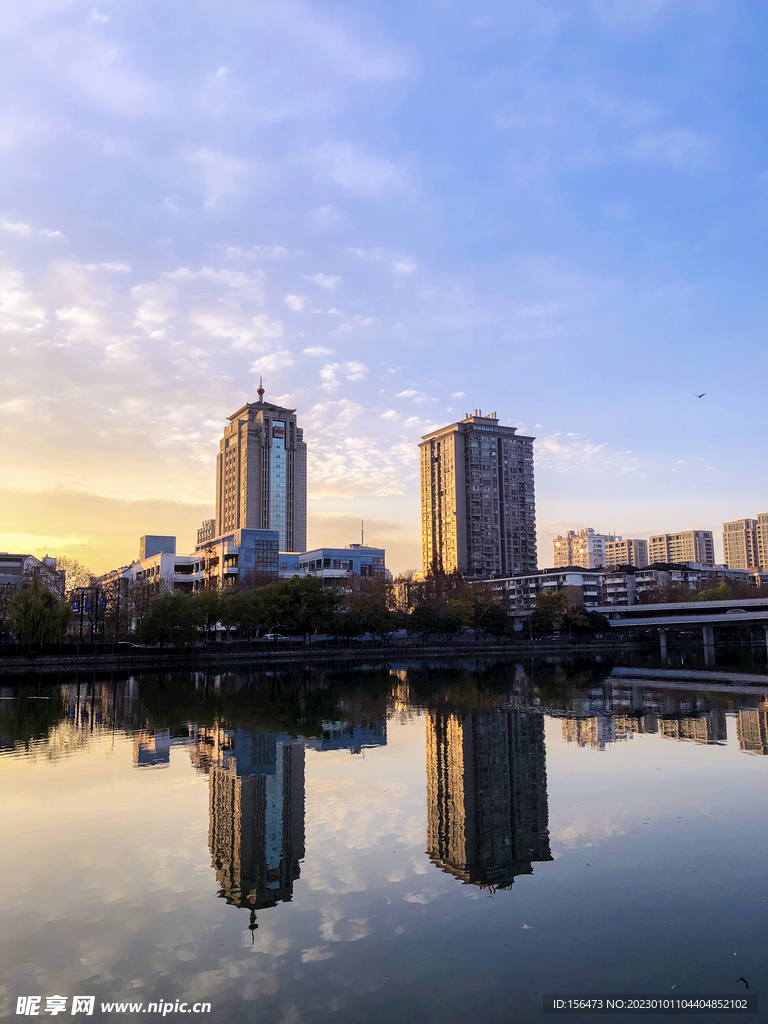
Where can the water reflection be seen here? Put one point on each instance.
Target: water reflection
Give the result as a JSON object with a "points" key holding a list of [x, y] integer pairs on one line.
{"points": [[256, 813], [752, 729], [486, 794]]}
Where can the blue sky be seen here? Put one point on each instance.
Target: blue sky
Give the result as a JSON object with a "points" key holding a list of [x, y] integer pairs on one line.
{"points": [[394, 212]]}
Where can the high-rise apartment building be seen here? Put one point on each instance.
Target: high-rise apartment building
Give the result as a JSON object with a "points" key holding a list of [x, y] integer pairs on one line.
{"points": [[584, 548], [261, 474], [688, 546], [627, 552], [762, 540], [487, 810], [478, 511], [740, 544]]}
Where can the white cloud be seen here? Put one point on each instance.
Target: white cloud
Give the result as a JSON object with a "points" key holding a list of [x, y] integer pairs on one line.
{"points": [[274, 361], [457, 394], [295, 302], [264, 252], [155, 304], [98, 16], [352, 371], [328, 281], [15, 228], [565, 452], [680, 148], [355, 371], [406, 394], [117, 268], [220, 174], [368, 255], [404, 266], [355, 170], [317, 350]]}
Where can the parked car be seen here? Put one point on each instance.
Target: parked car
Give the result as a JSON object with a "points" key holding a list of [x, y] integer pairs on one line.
{"points": [[275, 636]]}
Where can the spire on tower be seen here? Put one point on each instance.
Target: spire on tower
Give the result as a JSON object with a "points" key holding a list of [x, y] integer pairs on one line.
{"points": [[260, 390]]}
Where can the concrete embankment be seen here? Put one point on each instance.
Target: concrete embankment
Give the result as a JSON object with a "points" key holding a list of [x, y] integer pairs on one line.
{"points": [[158, 659]]}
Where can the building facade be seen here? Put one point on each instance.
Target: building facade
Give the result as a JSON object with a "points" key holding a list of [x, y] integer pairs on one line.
{"points": [[583, 547], [740, 544], [688, 546], [762, 541], [335, 563], [478, 510], [239, 556], [626, 552], [261, 474], [17, 570], [518, 593]]}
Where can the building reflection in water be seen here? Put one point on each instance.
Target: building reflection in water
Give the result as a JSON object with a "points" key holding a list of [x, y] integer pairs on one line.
{"points": [[487, 794], [256, 813], [344, 735], [752, 730], [151, 749]]}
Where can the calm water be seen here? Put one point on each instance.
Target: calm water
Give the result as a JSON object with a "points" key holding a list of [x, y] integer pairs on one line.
{"points": [[392, 843]]}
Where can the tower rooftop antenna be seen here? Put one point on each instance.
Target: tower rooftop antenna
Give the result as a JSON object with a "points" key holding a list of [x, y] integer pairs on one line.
{"points": [[260, 390]]}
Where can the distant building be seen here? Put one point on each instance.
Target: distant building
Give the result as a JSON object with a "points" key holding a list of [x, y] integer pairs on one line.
{"points": [[261, 474], [585, 548], [151, 544], [596, 731], [236, 556], [688, 546], [487, 814], [518, 592], [762, 540], [626, 552], [478, 511], [335, 563], [740, 544], [17, 570], [708, 728], [207, 531]]}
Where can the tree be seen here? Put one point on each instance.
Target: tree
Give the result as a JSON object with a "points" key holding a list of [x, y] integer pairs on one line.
{"points": [[172, 619], [548, 614], [76, 574], [381, 623], [496, 622], [423, 622], [585, 622], [208, 606], [308, 606], [245, 609], [38, 615], [722, 592]]}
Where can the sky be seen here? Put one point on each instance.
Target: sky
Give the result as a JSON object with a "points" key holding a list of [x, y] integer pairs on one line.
{"points": [[395, 213]]}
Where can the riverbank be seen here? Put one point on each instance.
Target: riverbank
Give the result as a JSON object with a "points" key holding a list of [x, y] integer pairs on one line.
{"points": [[308, 653]]}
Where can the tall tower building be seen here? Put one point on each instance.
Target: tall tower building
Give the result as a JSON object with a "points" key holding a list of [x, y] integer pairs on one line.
{"points": [[478, 511], [740, 549], [261, 474], [762, 540], [486, 794]]}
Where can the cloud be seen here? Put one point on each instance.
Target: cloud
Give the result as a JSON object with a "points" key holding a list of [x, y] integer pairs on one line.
{"points": [[271, 363], [352, 371], [565, 452], [679, 148], [368, 255], [220, 174], [457, 394], [98, 16], [22, 230], [404, 266], [116, 268], [317, 350], [324, 280], [155, 304], [355, 170], [263, 252], [295, 302]]}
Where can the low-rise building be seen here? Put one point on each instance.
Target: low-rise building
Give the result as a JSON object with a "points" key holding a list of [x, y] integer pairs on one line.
{"points": [[335, 563], [238, 556], [519, 592], [16, 570]]}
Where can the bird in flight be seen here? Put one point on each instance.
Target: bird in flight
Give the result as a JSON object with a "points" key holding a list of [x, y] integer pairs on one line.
{"points": [[701, 395], [744, 980]]}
